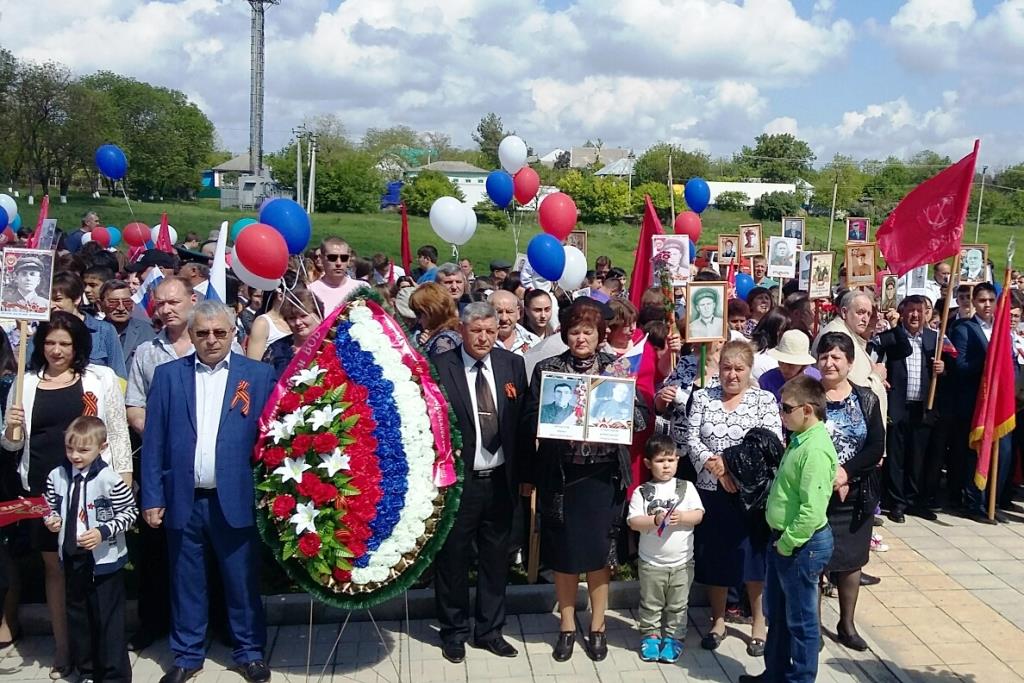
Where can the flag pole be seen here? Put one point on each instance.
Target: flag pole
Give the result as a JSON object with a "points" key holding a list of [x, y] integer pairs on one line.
{"points": [[993, 477], [942, 328]]}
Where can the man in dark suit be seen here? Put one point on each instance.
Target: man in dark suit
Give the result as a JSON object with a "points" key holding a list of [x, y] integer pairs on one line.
{"points": [[911, 471], [971, 338], [201, 424], [486, 387]]}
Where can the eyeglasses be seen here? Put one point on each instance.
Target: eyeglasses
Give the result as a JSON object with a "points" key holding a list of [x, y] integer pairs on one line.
{"points": [[337, 257], [787, 409], [119, 303], [203, 334]]}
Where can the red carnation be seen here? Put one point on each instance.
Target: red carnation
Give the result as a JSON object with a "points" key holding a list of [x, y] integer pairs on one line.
{"points": [[313, 394], [301, 444], [325, 442], [357, 548], [283, 506], [273, 457], [308, 486], [342, 575], [334, 378], [290, 402], [323, 493], [309, 544], [356, 393]]}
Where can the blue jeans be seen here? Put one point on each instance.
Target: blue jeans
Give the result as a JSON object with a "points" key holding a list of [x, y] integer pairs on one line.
{"points": [[977, 500], [791, 606]]}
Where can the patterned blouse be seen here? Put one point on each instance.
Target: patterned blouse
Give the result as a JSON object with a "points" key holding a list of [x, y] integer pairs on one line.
{"points": [[845, 423], [446, 340], [712, 428]]}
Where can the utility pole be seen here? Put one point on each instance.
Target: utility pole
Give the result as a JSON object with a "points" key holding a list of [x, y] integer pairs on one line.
{"points": [[298, 132], [981, 195], [310, 201], [256, 58], [671, 189], [832, 214]]}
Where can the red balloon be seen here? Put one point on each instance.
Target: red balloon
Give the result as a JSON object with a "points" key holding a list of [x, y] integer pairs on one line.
{"points": [[262, 250], [135, 234], [101, 236], [526, 182], [557, 215], [688, 223]]}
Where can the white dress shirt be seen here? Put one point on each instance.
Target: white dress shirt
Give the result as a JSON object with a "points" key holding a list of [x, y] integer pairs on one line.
{"points": [[211, 383], [482, 459]]}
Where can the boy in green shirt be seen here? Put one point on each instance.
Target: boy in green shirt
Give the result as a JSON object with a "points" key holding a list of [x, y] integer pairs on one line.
{"points": [[802, 540]]}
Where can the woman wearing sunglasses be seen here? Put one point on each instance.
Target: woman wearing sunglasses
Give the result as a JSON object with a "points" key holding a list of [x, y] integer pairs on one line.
{"points": [[854, 421]]}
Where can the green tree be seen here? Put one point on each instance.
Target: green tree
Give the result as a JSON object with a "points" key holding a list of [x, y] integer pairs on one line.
{"points": [[774, 205], [421, 192], [851, 180], [731, 201], [350, 184], [778, 158], [659, 197], [489, 134], [652, 165], [487, 212], [888, 181], [598, 199], [1012, 176]]}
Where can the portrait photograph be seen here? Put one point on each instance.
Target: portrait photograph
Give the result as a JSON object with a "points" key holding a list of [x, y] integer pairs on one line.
{"points": [[610, 418], [750, 239], [917, 280], [782, 256], [860, 264], [804, 259], [888, 299], [26, 283], [519, 263], [857, 229], [563, 406], [728, 249], [793, 226], [705, 312], [578, 239], [820, 286], [973, 263], [672, 252]]}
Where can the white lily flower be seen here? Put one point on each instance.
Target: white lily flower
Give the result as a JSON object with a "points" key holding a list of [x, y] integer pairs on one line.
{"points": [[304, 518], [324, 417], [332, 462], [292, 469], [307, 376]]}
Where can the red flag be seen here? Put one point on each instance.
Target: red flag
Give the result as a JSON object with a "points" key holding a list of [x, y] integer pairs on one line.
{"points": [[13, 511], [44, 209], [406, 249], [995, 411], [928, 224], [163, 238], [641, 277]]}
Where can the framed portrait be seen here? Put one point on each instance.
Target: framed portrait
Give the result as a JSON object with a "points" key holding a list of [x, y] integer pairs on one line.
{"points": [[973, 263], [917, 281], [793, 227], [858, 229], [705, 312], [804, 259], [728, 249], [610, 417], [578, 239], [671, 252], [888, 299], [860, 264], [25, 287], [782, 256], [519, 263], [563, 406], [750, 239], [820, 286]]}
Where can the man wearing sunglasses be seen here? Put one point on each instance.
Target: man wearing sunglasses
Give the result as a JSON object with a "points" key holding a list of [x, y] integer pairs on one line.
{"points": [[335, 285], [115, 300]]}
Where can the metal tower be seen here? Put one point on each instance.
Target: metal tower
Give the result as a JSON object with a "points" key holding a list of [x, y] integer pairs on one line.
{"points": [[256, 86]]}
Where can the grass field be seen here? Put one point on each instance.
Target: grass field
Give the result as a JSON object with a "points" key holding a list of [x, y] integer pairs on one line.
{"points": [[370, 233]]}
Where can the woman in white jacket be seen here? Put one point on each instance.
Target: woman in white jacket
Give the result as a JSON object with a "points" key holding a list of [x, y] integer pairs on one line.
{"points": [[62, 386]]}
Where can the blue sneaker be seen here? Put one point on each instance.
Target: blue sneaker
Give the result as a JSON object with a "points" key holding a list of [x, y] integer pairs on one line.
{"points": [[650, 649], [671, 651]]}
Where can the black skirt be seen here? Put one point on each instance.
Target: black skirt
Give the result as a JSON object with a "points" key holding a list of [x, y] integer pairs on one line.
{"points": [[591, 518], [730, 544], [851, 533]]}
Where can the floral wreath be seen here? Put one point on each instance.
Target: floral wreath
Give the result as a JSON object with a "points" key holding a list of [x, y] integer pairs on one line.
{"points": [[357, 485]]}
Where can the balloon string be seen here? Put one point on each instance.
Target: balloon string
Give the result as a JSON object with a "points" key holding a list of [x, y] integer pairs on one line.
{"points": [[126, 201], [455, 253]]}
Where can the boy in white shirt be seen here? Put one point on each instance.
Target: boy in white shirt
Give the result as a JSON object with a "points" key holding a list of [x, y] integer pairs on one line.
{"points": [[664, 510]]}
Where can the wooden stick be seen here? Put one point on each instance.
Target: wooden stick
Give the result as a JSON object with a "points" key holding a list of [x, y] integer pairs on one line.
{"points": [[703, 361], [993, 478], [19, 382], [533, 561], [950, 293]]}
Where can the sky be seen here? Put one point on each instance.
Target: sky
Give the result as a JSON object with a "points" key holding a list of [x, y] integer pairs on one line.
{"points": [[864, 78]]}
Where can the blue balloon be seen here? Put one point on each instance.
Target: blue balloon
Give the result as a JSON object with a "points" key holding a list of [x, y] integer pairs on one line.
{"points": [[744, 283], [16, 223], [150, 244], [546, 256], [3, 218], [693, 251], [238, 225], [111, 161], [500, 188], [115, 235], [289, 219], [698, 194]]}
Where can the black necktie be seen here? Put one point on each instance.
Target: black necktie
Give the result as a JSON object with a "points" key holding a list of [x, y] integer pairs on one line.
{"points": [[486, 413], [71, 519]]}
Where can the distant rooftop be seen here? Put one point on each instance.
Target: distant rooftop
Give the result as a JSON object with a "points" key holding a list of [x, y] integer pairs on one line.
{"points": [[450, 167]]}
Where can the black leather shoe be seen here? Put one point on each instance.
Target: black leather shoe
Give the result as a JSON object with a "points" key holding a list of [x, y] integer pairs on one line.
{"points": [[454, 652], [498, 646], [923, 513], [564, 645], [750, 678], [256, 671], [896, 515], [179, 674], [868, 580], [851, 641], [981, 518], [598, 649]]}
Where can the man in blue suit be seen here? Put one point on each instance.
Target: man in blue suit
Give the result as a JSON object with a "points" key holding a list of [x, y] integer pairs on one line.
{"points": [[201, 425]]}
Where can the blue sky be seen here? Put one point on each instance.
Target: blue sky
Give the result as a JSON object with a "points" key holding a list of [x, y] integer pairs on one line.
{"points": [[867, 78]]}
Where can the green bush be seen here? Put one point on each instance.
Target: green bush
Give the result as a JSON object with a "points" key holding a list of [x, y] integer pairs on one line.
{"points": [[421, 192], [487, 212], [731, 201], [774, 205], [349, 184]]}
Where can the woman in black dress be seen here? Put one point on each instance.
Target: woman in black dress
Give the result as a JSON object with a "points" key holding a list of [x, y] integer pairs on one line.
{"points": [[581, 486], [854, 420]]}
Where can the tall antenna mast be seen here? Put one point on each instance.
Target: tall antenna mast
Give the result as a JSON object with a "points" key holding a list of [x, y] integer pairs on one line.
{"points": [[256, 86]]}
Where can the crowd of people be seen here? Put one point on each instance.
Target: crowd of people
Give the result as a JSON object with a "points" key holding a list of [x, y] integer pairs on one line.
{"points": [[761, 465]]}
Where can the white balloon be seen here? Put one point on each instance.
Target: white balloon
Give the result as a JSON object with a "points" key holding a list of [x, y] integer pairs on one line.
{"points": [[575, 269], [512, 153], [255, 281], [470, 228], [154, 233], [10, 206], [448, 219]]}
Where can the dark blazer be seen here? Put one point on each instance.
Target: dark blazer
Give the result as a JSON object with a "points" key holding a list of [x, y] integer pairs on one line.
{"points": [[135, 333], [169, 441], [971, 347], [896, 367], [511, 396]]}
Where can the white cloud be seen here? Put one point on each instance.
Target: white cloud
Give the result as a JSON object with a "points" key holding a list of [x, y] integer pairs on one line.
{"points": [[781, 125]]}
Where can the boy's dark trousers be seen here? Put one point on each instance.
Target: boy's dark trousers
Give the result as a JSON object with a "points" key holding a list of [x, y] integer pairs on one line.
{"points": [[96, 620]]}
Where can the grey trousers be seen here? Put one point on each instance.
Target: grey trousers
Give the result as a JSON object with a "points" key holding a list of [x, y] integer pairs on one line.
{"points": [[664, 597]]}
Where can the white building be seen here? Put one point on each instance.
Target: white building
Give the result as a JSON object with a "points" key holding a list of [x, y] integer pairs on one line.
{"points": [[467, 177]]}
